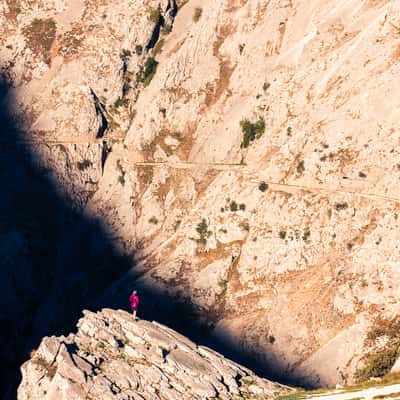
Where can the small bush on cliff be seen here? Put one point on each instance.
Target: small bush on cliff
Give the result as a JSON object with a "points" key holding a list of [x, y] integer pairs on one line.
{"points": [[204, 233], [378, 364], [138, 49], [251, 131], [147, 73], [153, 220]]}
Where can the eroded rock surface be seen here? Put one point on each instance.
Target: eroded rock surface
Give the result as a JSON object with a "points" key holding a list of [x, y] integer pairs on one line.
{"points": [[114, 357]]}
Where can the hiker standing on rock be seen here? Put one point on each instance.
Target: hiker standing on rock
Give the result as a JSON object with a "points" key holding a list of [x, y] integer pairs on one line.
{"points": [[134, 300]]}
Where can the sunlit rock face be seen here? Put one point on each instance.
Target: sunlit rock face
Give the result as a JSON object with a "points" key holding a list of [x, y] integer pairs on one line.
{"points": [[114, 357], [287, 241], [238, 157]]}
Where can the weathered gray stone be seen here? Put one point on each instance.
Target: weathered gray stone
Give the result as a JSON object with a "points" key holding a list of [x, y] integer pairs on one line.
{"points": [[141, 370]]}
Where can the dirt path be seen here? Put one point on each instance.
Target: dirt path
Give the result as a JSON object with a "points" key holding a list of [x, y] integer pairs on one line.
{"points": [[257, 177], [391, 391]]}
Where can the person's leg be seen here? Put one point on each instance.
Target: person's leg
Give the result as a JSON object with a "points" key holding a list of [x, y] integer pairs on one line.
{"points": [[134, 313]]}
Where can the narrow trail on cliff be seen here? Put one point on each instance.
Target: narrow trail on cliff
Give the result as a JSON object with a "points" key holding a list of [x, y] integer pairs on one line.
{"points": [[256, 176]]}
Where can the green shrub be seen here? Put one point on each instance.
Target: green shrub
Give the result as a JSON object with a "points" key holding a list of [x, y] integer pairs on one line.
{"points": [[263, 186], [378, 364], [341, 206], [300, 167], [282, 234], [204, 233], [158, 47], [251, 131], [233, 206], [306, 235], [384, 327], [153, 220], [147, 73], [155, 15], [138, 49], [121, 102], [271, 339]]}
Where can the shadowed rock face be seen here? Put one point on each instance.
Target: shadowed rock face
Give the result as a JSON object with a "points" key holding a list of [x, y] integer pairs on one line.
{"points": [[113, 357]]}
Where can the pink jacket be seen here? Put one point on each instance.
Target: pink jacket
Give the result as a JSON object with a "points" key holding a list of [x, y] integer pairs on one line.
{"points": [[134, 300]]}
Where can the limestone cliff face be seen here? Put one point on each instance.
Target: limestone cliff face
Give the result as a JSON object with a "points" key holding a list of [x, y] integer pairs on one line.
{"points": [[114, 357], [243, 155], [290, 241]]}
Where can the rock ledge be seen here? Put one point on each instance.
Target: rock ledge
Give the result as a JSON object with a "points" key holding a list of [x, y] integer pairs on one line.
{"points": [[113, 357]]}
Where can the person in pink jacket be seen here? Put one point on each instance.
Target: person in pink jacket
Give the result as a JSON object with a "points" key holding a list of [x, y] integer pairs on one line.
{"points": [[134, 301]]}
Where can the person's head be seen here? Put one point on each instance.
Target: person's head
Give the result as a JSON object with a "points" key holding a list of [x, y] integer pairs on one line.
{"points": [[134, 292]]}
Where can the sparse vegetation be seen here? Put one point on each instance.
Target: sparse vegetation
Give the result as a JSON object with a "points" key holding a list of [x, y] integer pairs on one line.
{"points": [[155, 15], [241, 48], [341, 206], [247, 381], [233, 206], [203, 232], [300, 167], [138, 49], [378, 364], [153, 220], [121, 102], [158, 47], [263, 187], [251, 131], [306, 235], [384, 327], [271, 339], [198, 11], [40, 35], [282, 235], [146, 74], [83, 165]]}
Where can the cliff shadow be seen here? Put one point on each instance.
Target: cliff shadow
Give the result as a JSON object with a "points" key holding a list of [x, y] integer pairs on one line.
{"points": [[55, 261]]}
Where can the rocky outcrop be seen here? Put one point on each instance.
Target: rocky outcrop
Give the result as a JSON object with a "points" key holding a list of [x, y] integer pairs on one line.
{"points": [[114, 357]]}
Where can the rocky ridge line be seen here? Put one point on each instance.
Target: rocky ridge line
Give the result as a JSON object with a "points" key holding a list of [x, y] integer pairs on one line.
{"points": [[114, 357]]}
